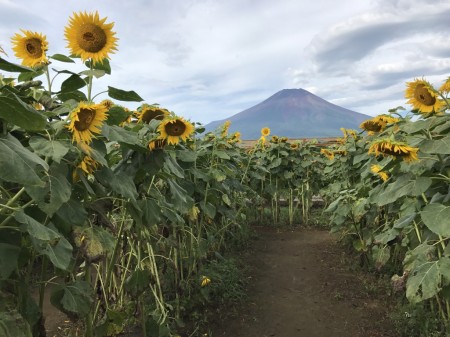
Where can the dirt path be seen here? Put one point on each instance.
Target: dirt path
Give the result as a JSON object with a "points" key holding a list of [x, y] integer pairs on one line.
{"points": [[300, 286]]}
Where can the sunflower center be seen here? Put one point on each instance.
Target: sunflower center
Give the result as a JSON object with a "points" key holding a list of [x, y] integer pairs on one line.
{"points": [[85, 116], [34, 47], [423, 95], [152, 114], [91, 38], [175, 129]]}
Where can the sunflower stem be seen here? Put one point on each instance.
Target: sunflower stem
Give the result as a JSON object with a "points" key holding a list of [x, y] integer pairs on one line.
{"points": [[91, 66]]}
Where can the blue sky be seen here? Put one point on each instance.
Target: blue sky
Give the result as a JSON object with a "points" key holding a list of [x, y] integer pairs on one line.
{"points": [[209, 59]]}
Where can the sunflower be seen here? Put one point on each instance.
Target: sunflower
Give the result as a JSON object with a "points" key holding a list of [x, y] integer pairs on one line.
{"points": [[235, 138], [172, 129], [149, 113], [157, 144], [446, 86], [265, 131], [274, 139], [423, 97], [378, 123], [327, 153], [225, 128], [388, 147], [294, 146], [86, 120], [87, 166], [107, 103], [204, 281], [30, 47], [90, 37], [378, 170], [283, 139]]}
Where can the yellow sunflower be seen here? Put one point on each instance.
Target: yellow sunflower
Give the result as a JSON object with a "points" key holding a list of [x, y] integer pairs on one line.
{"points": [[283, 139], [423, 97], [274, 139], [225, 128], [204, 281], [90, 37], [30, 47], [87, 166], [157, 144], [294, 146], [265, 131], [107, 103], [172, 129], [149, 113], [445, 88], [86, 120], [327, 153], [387, 147], [378, 170], [235, 138]]}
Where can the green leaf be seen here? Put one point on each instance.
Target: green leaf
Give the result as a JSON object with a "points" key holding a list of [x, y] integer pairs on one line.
{"points": [[405, 185], [381, 255], [186, 156], [122, 95], [222, 154], [151, 212], [13, 68], [74, 82], [103, 65], [73, 298], [209, 209], [178, 195], [117, 115], [9, 254], [171, 166], [120, 183], [423, 282], [57, 189], [436, 218], [120, 135], [440, 146], [18, 164], [44, 147], [226, 199], [12, 324], [275, 163], [62, 58], [47, 241], [138, 281], [72, 95], [73, 211], [17, 112]]}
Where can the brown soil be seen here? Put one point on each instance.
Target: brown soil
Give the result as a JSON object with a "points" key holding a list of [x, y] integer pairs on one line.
{"points": [[301, 283]]}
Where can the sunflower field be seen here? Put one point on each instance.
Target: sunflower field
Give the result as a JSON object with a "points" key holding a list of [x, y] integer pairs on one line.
{"points": [[122, 215]]}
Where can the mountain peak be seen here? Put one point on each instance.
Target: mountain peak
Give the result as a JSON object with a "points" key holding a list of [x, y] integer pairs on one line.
{"points": [[294, 113]]}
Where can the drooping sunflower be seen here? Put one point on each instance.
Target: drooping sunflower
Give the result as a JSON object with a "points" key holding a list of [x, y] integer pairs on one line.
{"points": [[390, 148], [378, 170], [423, 97], [150, 112], [157, 144], [445, 88], [30, 47], [85, 121], [327, 153], [172, 129], [107, 103], [283, 139], [87, 166], [90, 37], [265, 131], [274, 139], [294, 146]]}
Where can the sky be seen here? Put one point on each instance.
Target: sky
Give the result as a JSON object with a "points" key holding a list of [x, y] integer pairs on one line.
{"points": [[207, 60]]}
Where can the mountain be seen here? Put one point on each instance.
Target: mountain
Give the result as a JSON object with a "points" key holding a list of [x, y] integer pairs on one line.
{"points": [[293, 113]]}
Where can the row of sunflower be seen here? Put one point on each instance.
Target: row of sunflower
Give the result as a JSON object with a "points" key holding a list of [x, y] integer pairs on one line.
{"points": [[118, 214], [388, 194]]}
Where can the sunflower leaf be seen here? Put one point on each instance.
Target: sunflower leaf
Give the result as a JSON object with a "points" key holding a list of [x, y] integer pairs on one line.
{"points": [[122, 95], [13, 68], [440, 146], [435, 217], [16, 112], [57, 189], [74, 82], [18, 164], [75, 298], [120, 135], [423, 282], [62, 58], [48, 148], [9, 255]]}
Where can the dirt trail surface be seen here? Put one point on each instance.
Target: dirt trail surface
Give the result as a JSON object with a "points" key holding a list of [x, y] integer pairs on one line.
{"points": [[300, 285]]}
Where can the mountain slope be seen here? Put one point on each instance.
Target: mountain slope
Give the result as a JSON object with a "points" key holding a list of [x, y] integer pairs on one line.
{"points": [[294, 113]]}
